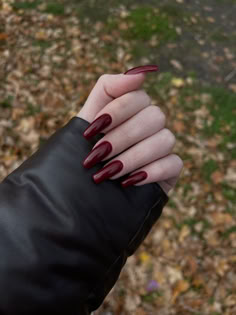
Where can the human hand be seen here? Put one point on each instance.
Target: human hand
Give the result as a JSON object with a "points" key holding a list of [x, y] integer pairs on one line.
{"points": [[135, 133]]}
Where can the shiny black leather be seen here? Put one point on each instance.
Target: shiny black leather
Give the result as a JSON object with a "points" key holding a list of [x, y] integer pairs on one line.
{"points": [[64, 239]]}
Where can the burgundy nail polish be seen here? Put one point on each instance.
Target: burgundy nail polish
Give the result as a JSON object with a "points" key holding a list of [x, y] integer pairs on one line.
{"points": [[97, 154], [140, 69], [108, 171], [97, 126], [134, 179]]}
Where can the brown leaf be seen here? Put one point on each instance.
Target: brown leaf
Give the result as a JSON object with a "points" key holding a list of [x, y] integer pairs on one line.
{"points": [[221, 266], [192, 265], [9, 159], [176, 64], [214, 142], [219, 218], [218, 196], [211, 19], [3, 36], [233, 87], [181, 287], [178, 126], [217, 177], [198, 281], [17, 113], [185, 231]]}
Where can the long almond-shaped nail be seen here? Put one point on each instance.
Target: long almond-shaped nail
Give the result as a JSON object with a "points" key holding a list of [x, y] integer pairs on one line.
{"points": [[97, 154], [108, 171], [97, 126], [140, 69], [134, 179]]}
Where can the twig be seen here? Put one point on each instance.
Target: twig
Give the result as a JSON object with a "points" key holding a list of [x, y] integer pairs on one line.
{"points": [[230, 75]]}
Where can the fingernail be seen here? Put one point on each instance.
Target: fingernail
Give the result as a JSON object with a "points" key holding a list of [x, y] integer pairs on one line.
{"points": [[148, 68], [134, 179], [108, 171], [97, 154], [97, 126]]}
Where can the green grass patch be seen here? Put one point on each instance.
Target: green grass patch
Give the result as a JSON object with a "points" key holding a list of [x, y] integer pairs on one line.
{"points": [[7, 102], [44, 44], [55, 8], [26, 5], [229, 193], [160, 86], [165, 80], [225, 1], [172, 204], [227, 233], [145, 22], [138, 51], [172, 10], [219, 36], [223, 111], [151, 297], [191, 223], [32, 109], [96, 13], [208, 168], [186, 189]]}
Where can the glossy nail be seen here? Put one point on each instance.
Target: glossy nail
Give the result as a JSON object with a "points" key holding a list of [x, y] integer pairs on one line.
{"points": [[97, 126], [97, 154], [134, 179], [108, 171], [148, 68]]}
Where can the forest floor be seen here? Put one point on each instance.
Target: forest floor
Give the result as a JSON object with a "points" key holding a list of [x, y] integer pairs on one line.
{"points": [[52, 53]]}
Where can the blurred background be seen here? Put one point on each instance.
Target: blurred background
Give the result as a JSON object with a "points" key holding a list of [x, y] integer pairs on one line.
{"points": [[52, 53]]}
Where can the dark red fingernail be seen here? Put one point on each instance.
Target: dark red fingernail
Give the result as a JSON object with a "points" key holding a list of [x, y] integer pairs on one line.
{"points": [[148, 68], [97, 154], [134, 179], [97, 126], [108, 171]]}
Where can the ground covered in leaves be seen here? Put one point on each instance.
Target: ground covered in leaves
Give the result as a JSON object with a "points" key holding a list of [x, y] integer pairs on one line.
{"points": [[51, 54]]}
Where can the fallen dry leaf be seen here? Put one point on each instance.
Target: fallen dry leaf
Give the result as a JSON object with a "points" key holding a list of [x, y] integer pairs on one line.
{"points": [[185, 231], [3, 36], [219, 218], [181, 287], [178, 126], [177, 82], [144, 257], [217, 177]]}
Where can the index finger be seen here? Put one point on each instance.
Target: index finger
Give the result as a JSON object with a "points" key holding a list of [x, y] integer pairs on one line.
{"points": [[107, 88]]}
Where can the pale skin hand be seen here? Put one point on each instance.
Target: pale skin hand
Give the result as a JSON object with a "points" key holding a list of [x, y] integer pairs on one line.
{"points": [[137, 129]]}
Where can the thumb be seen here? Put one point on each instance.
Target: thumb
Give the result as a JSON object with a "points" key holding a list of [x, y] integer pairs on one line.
{"points": [[108, 87]]}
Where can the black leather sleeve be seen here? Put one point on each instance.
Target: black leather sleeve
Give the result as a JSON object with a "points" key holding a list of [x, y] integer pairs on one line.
{"points": [[64, 239]]}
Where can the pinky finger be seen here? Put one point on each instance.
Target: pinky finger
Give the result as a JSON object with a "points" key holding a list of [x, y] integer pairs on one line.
{"points": [[165, 171]]}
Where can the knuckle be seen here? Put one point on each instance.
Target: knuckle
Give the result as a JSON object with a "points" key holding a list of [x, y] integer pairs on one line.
{"points": [[161, 172], [157, 113], [169, 137], [125, 99], [141, 95], [103, 78], [178, 161], [154, 110], [146, 97], [120, 103], [162, 116]]}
